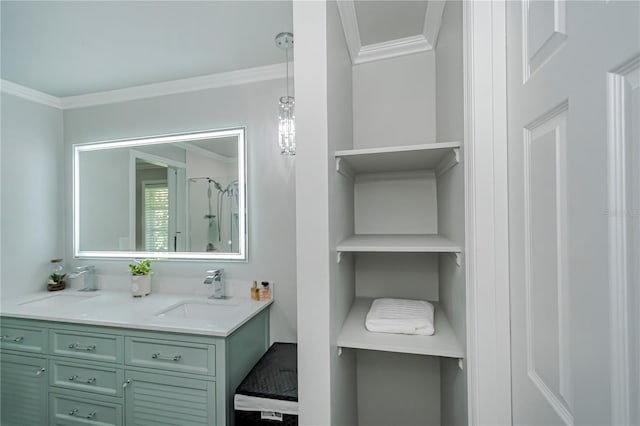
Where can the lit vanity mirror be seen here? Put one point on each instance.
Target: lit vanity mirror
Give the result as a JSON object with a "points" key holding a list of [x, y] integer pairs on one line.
{"points": [[178, 196]]}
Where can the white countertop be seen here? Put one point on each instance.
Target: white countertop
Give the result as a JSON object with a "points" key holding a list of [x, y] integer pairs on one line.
{"points": [[120, 309]]}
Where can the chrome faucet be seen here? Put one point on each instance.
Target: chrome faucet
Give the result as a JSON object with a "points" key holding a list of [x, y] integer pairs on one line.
{"points": [[215, 277], [88, 272]]}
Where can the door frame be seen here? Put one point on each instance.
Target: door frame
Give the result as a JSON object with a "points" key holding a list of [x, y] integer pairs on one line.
{"points": [[486, 215]]}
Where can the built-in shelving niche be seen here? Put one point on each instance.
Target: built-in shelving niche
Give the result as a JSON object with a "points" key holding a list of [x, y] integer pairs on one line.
{"points": [[397, 250], [395, 203]]}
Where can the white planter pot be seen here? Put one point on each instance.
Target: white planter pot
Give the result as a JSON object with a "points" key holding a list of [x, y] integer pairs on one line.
{"points": [[140, 285]]}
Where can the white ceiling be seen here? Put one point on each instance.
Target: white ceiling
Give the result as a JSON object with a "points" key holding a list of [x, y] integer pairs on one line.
{"points": [[381, 29], [70, 48], [380, 21], [67, 48]]}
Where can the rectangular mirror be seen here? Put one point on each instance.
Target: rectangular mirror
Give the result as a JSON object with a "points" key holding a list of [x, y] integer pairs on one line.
{"points": [[179, 196]]}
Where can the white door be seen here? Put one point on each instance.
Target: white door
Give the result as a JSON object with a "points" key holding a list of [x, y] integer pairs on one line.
{"points": [[573, 116]]}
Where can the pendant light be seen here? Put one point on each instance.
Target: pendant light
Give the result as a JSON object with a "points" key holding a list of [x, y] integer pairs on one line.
{"points": [[286, 111]]}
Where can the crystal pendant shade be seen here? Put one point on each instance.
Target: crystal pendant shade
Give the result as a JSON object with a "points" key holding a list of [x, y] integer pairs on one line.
{"points": [[286, 109], [287, 125]]}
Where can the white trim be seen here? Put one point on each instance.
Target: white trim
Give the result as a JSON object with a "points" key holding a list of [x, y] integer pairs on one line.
{"points": [[448, 162], [156, 159], [132, 201], [556, 403], [212, 81], [29, 94], [552, 121], [392, 48], [486, 214], [347, 11], [392, 176], [533, 61], [619, 256], [344, 169], [432, 22]]}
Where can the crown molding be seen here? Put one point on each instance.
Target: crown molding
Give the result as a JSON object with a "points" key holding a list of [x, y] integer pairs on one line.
{"points": [[347, 12], [392, 48], [432, 21], [29, 94], [212, 81]]}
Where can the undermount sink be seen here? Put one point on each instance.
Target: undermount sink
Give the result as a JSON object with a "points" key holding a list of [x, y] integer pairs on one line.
{"points": [[202, 310], [57, 300]]}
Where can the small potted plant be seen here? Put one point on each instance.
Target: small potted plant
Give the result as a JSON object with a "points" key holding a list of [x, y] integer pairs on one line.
{"points": [[56, 276], [56, 282], [140, 277]]}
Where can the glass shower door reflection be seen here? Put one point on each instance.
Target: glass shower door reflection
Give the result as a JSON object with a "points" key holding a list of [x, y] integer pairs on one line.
{"points": [[213, 214]]}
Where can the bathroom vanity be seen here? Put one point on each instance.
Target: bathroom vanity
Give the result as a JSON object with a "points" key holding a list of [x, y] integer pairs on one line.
{"points": [[109, 359]]}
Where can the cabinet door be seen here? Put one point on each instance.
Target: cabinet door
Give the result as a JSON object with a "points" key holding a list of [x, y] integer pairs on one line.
{"points": [[24, 390], [154, 399]]}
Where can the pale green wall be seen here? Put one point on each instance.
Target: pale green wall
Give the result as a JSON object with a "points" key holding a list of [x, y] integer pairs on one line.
{"points": [[270, 183], [37, 186], [32, 196]]}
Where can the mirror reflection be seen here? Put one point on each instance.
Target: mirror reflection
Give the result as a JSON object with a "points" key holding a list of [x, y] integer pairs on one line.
{"points": [[176, 196]]}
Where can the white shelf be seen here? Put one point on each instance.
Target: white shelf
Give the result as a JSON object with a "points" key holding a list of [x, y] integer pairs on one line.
{"points": [[439, 156], [443, 343], [428, 243]]}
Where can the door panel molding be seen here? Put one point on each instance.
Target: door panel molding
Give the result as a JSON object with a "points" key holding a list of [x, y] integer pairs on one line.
{"points": [[535, 58], [555, 386], [620, 82]]}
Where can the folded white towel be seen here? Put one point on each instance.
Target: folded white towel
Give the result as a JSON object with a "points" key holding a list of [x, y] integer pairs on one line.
{"points": [[401, 316]]}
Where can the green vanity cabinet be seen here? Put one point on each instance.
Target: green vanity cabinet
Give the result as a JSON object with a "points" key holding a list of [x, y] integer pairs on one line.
{"points": [[23, 391], [56, 373]]}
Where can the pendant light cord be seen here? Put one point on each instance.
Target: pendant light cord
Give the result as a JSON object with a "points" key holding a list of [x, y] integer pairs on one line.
{"points": [[286, 59]]}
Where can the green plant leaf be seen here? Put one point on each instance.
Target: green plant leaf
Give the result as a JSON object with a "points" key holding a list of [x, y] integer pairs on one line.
{"points": [[141, 267], [56, 278]]}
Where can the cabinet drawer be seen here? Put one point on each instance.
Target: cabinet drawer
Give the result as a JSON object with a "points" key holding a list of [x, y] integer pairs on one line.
{"points": [[88, 378], [71, 410], [19, 338], [171, 355], [90, 346]]}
